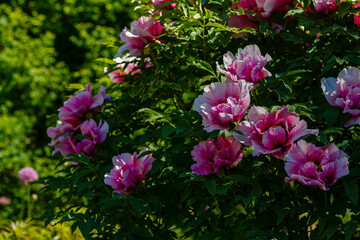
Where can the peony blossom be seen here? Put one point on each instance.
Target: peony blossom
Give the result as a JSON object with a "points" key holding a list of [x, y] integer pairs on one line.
{"points": [[118, 75], [222, 104], [144, 31], [248, 64], [263, 8], [168, 7], [60, 139], [344, 92], [272, 133], [325, 6], [213, 155], [128, 171], [4, 200], [28, 174], [356, 16], [315, 166], [81, 107], [93, 135]]}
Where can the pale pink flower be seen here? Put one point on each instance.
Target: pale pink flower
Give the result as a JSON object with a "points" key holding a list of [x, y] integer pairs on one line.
{"points": [[213, 155], [344, 92], [315, 166], [325, 6], [248, 64], [144, 31], [82, 106], [272, 133], [128, 171], [94, 134], [28, 174], [4, 200], [222, 104]]}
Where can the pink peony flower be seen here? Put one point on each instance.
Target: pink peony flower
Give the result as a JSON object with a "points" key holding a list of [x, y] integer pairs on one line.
{"points": [[272, 133], [356, 16], [81, 107], [28, 174], [93, 135], [4, 200], [263, 8], [128, 171], [142, 32], [222, 104], [325, 6], [248, 64], [344, 92], [315, 166], [64, 143], [213, 155], [119, 74], [168, 7]]}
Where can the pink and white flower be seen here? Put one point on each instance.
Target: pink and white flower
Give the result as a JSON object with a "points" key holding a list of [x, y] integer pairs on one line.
{"points": [[325, 6], [118, 75], [28, 174], [144, 31], [272, 133], [316, 166], [82, 106], [128, 171], [213, 155], [344, 92], [222, 104], [4, 201], [248, 64]]}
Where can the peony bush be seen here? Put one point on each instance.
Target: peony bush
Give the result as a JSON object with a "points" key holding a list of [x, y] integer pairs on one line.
{"points": [[227, 136]]}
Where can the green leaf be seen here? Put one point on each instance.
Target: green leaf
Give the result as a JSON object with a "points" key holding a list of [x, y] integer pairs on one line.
{"points": [[167, 130], [211, 186], [136, 204], [217, 25], [294, 11], [352, 191], [282, 214], [203, 65], [350, 228], [179, 50], [204, 79], [106, 60]]}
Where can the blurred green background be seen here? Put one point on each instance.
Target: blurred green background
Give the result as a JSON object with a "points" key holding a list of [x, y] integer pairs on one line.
{"points": [[45, 46]]}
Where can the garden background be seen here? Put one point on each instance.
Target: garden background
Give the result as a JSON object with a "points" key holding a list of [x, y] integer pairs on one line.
{"points": [[47, 48]]}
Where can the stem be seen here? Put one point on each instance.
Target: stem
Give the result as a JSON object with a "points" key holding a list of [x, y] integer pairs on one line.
{"points": [[28, 215], [97, 176]]}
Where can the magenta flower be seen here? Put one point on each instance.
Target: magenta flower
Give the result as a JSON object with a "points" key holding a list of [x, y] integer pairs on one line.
{"points": [[28, 174], [93, 135], [263, 8], [325, 6], [248, 64], [316, 166], [344, 92], [118, 75], [63, 143], [128, 171], [356, 16], [4, 200], [168, 7], [144, 31], [272, 133], [222, 104], [81, 107], [213, 155]]}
